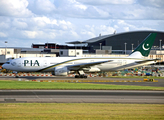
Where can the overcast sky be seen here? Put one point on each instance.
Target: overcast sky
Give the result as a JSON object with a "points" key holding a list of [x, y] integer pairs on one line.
{"points": [[23, 22]]}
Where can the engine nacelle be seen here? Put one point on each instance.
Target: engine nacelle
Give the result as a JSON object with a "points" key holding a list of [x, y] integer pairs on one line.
{"points": [[92, 69], [60, 71]]}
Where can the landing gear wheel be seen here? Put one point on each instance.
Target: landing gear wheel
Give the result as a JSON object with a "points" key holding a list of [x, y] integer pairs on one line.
{"points": [[77, 76], [16, 76], [80, 76]]}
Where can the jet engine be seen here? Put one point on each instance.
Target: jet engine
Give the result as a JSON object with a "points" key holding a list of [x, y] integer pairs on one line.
{"points": [[92, 69], [60, 71]]}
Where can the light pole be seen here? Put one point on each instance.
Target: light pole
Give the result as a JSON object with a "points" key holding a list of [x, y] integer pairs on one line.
{"points": [[125, 48], [132, 47], [100, 46], [5, 48], [160, 48], [160, 44], [75, 49]]}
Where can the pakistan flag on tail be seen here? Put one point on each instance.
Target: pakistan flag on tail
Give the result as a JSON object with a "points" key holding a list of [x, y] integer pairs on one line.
{"points": [[144, 48]]}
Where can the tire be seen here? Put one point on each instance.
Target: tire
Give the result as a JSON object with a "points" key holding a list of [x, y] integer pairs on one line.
{"points": [[76, 76], [16, 76], [81, 76]]}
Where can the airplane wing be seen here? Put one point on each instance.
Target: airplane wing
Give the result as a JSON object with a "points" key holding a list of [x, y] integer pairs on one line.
{"points": [[85, 65]]}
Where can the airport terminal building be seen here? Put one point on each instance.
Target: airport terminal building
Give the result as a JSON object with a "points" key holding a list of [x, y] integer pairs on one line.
{"points": [[119, 42]]}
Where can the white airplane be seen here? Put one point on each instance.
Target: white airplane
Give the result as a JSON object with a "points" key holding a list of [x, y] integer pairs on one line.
{"points": [[62, 66]]}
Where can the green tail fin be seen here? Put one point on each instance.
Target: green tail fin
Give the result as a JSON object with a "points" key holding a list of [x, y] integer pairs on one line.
{"points": [[145, 47]]}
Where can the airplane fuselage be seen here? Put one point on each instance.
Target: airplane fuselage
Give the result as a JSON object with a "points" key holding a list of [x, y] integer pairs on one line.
{"points": [[47, 64]]}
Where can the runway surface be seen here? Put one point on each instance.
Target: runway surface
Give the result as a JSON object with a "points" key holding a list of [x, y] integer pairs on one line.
{"points": [[82, 96]]}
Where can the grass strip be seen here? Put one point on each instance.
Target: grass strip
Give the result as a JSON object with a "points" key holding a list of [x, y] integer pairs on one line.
{"points": [[70, 86], [81, 111]]}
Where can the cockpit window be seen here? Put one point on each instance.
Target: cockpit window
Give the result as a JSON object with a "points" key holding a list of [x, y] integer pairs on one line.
{"points": [[7, 63], [13, 64]]}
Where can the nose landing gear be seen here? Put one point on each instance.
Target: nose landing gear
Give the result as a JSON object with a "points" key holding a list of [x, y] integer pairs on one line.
{"points": [[16, 74]]}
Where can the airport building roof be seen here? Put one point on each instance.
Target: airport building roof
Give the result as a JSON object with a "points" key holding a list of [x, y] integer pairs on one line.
{"points": [[96, 39]]}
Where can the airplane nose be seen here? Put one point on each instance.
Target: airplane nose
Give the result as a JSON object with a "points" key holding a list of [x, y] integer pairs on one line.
{"points": [[3, 66]]}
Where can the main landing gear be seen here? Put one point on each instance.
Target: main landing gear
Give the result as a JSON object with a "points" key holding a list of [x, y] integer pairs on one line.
{"points": [[81, 74]]}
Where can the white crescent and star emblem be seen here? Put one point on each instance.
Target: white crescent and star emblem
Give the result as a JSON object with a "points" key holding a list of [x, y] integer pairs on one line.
{"points": [[144, 47]]}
